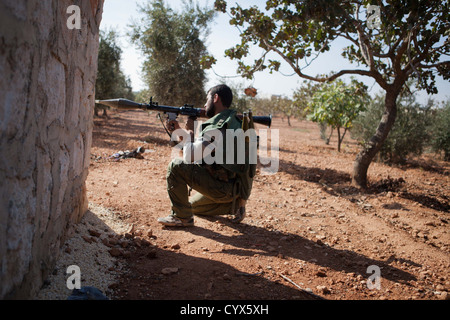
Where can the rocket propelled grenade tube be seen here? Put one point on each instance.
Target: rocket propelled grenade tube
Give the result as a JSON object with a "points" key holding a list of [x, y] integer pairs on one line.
{"points": [[123, 104], [186, 110]]}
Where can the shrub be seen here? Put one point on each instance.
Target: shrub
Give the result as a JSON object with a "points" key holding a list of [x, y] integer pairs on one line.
{"points": [[408, 136], [440, 130]]}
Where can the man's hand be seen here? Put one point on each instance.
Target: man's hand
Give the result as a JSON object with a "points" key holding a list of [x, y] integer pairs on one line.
{"points": [[172, 125], [190, 124]]}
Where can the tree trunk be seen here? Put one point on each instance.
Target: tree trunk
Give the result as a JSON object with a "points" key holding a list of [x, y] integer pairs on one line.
{"points": [[327, 142], [365, 157], [339, 138]]}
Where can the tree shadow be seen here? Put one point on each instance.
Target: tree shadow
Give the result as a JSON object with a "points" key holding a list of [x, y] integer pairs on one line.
{"points": [[426, 201], [312, 174], [196, 278], [297, 247], [428, 165], [337, 183]]}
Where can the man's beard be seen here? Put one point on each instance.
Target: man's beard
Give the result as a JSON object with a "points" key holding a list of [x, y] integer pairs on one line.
{"points": [[210, 112]]}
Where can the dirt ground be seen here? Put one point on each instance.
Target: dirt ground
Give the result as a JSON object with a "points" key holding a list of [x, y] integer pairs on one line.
{"points": [[308, 233]]}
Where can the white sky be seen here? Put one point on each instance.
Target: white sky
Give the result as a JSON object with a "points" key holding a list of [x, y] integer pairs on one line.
{"points": [[117, 14]]}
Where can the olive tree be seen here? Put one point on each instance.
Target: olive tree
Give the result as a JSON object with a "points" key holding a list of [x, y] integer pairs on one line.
{"points": [[173, 44]]}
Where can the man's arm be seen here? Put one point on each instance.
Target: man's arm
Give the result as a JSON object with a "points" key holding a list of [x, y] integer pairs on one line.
{"points": [[195, 150]]}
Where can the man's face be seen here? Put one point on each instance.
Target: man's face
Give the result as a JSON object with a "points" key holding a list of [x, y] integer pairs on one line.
{"points": [[209, 106]]}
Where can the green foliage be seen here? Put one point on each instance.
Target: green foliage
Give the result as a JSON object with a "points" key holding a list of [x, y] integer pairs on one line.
{"points": [[337, 104], [411, 42], [261, 106], [440, 130], [285, 106], [409, 38], [111, 81], [302, 97], [409, 135], [173, 47]]}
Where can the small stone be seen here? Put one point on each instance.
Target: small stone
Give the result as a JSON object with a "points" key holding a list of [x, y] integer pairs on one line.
{"points": [[106, 242], [131, 229], [113, 241], [323, 289], [115, 252], [444, 295], [226, 276], [321, 273], [94, 233], [88, 239], [168, 271], [176, 246]]}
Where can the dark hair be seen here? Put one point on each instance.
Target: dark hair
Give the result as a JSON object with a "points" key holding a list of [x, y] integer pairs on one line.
{"points": [[224, 93]]}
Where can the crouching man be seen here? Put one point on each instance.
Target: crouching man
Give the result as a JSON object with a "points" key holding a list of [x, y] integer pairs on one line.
{"points": [[222, 186]]}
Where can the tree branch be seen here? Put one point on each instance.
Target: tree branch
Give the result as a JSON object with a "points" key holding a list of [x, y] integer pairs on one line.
{"points": [[363, 41], [413, 63], [434, 65], [369, 73]]}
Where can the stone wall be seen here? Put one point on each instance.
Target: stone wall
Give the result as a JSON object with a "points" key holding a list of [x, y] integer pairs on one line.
{"points": [[47, 83]]}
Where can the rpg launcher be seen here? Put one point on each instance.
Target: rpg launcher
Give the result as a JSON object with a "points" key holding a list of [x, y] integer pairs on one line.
{"points": [[172, 112]]}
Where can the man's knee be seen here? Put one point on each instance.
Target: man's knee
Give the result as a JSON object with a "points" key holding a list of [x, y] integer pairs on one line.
{"points": [[174, 165], [178, 170]]}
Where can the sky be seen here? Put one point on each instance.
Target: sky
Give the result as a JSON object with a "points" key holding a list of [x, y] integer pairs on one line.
{"points": [[118, 15]]}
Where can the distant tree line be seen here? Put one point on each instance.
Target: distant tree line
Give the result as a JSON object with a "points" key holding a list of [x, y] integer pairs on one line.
{"points": [[111, 81], [340, 108]]}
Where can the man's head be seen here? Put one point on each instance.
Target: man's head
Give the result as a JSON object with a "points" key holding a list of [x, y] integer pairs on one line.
{"points": [[219, 97]]}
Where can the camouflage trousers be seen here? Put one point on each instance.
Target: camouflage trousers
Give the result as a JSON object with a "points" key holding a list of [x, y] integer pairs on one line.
{"points": [[213, 197]]}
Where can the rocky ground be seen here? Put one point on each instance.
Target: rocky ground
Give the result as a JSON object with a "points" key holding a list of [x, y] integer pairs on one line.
{"points": [[308, 233]]}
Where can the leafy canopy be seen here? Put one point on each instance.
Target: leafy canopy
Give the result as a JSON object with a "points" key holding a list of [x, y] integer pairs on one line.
{"points": [[411, 40], [111, 81], [338, 104], [173, 46]]}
